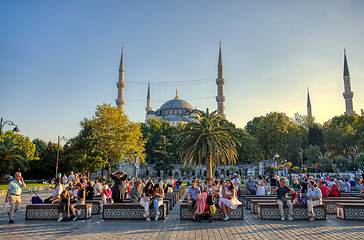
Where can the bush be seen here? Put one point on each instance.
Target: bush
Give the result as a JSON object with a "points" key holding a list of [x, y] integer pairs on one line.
{"points": [[170, 173], [204, 173], [227, 173], [193, 172]]}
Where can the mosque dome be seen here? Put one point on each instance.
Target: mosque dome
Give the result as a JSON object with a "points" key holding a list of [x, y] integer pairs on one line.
{"points": [[176, 103]]}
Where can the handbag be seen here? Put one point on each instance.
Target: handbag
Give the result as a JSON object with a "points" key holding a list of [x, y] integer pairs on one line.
{"points": [[212, 209]]}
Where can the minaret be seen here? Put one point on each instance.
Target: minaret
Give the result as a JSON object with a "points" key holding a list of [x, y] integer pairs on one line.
{"points": [[348, 94], [220, 81], [309, 110], [121, 84], [149, 107]]}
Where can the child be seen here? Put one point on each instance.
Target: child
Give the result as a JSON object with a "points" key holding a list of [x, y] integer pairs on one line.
{"points": [[64, 203], [216, 199], [106, 193]]}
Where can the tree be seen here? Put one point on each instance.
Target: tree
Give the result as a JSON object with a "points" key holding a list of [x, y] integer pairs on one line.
{"points": [[116, 135], [248, 149], [273, 134], [164, 161], [312, 154], [24, 143], [12, 156], [316, 137], [211, 139], [40, 146]]}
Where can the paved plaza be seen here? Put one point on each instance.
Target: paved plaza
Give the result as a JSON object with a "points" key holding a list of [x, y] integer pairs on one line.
{"points": [[174, 228]]}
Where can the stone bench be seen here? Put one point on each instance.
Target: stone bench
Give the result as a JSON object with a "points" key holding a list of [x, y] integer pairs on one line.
{"points": [[49, 211], [350, 211], [166, 201], [328, 202], [236, 214], [269, 211], [97, 206], [118, 211]]}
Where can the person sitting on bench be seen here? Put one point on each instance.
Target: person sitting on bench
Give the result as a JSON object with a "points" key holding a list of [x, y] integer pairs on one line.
{"points": [[55, 198]]}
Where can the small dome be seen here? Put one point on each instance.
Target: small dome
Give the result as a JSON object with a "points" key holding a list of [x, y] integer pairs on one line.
{"points": [[150, 112], [176, 103]]}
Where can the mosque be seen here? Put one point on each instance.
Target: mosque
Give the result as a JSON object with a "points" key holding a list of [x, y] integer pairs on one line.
{"points": [[176, 110]]}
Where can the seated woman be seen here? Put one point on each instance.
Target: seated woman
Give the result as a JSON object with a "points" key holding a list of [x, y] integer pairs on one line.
{"points": [[64, 204], [158, 196], [89, 191], [136, 192], [79, 200], [229, 200], [314, 198], [145, 199], [106, 194]]}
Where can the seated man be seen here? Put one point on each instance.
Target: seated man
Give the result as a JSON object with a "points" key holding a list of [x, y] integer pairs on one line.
{"points": [[325, 190], [55, 198], [192, 193], [251, 187], [282, 191]]}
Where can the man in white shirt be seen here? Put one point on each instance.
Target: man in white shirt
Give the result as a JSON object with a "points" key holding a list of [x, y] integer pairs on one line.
{"points": [[236, 182], [352, 179], [98, 188], [71, 177], [56, 194], [64, 179]]}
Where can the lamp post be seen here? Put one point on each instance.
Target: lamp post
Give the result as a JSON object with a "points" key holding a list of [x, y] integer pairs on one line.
{"points": [[136, 164], [353, 151], [10, 123], [68, 144], [300, 152]]}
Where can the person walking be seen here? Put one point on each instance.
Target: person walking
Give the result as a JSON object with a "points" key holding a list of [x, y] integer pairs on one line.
{"points": [[13, 195], [282, 191]]}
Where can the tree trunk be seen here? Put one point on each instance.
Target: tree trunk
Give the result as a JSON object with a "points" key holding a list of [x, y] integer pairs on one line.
{"points": [[209, 166], [108, 172], [2, 176]]}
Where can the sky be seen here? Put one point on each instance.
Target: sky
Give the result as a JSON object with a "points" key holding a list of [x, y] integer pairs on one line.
{"points": [[60, 59]]}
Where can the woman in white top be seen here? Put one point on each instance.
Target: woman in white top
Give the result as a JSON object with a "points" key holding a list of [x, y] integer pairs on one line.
{"points": [[260, 189], [229, 200]]}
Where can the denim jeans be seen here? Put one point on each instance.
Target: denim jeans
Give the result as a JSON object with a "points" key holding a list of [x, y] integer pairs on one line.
{"points": [[157, 202]]}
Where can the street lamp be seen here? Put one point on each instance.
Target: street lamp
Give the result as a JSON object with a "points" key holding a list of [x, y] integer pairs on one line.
{"points": [[300, 152], [136, 164], [353, 151], [10, 123], [68, 144]]}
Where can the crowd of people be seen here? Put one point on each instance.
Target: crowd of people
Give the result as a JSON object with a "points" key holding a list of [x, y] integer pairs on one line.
{"points": [[223, 195]]}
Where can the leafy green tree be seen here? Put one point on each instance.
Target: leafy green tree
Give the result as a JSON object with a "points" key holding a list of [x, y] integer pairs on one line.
{"points": [[40, 146], [248, 150], [12, 156], [24, 143], [116, 135], [164, 161], [273, 134], [312, 154], [316, 136], [211, 139]]}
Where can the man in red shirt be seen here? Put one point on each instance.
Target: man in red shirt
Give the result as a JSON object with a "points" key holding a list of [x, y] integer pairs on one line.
{"points": [[324, 189]]}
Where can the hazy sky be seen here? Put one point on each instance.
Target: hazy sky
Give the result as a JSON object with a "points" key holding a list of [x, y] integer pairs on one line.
{"points": [[60, 59]]}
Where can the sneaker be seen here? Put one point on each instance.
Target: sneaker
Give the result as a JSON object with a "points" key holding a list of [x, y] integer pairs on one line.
{"points": [[156, 217], [11, 221], [75, 218], [311, 219], [282, 218], [290, 219], [78, 213], [148, 219], [157, 212], [145, 215], [60, 219], [226, 218]]}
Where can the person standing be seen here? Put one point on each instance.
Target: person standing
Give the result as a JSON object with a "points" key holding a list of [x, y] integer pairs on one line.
{"points": [[260, 188], [13, 195], [282, 191], [352, 179], [70, 178], [118, 190]]}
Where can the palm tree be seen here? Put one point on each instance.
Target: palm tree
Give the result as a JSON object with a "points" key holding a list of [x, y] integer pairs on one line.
{"points": [[211, 139], [12, 157]]}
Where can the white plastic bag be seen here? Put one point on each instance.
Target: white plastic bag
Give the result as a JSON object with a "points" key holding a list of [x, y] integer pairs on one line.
{"points": [[5, 208]]}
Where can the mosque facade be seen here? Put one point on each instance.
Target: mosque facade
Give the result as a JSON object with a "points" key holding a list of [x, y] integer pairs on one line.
{"points": [[176, 110]]}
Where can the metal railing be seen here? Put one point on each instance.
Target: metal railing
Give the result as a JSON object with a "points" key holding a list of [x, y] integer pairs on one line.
{"points": [[27, 190]]}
